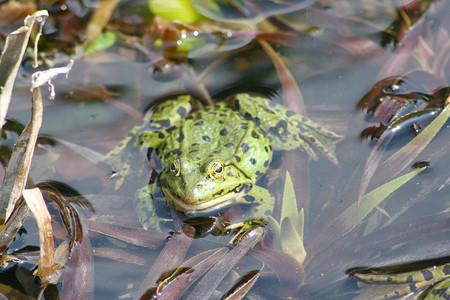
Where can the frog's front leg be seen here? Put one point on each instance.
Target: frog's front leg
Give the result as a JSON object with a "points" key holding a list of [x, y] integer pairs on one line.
{"points": [[262, 201], [286, 129], [145, 207], [263, 204]]}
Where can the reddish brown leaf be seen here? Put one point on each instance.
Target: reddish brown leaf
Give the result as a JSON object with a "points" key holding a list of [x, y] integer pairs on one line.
{"points": [[140, 237], [181, 280], [169, 259], [245, 283], [206, 287]]}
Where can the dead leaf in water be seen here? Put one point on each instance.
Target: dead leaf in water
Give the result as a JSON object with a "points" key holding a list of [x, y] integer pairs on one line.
{"points": [[46, 266]]}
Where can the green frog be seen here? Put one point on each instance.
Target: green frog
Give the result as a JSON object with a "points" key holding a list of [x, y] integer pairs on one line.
{"points": [[428, 283], [213, 157]]}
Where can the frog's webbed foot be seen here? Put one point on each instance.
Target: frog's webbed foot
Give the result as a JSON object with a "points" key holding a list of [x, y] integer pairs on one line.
{"points": [[286, 129], [317, 136]]}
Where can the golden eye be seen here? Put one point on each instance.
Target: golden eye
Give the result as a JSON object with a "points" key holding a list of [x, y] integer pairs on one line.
{"points": [[217, 170], [175, 167]]}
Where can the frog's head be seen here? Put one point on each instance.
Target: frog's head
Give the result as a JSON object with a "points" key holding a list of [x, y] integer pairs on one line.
{"points": [[200, 187]]}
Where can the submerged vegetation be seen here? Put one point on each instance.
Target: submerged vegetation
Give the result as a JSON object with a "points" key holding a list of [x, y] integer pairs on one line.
{"points": [[373, 225]]}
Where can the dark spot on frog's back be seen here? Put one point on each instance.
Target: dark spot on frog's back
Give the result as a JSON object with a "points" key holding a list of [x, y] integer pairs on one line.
{"points": [[161, 135], [237, 158], [223, 132], [163, 123], [427, 274], [256, 120], [290, 113], [252, 161], [446, 270], [279, 129], [255, 135], [244, 147], [229, 145], [282, 124], [182, 112], [180, 138], [175, 151], [206, 138], [249, 199], [199, 123]]}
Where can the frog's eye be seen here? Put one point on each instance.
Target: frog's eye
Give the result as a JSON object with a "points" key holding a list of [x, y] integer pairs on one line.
{"points": [[217, 170], [175, 167]]}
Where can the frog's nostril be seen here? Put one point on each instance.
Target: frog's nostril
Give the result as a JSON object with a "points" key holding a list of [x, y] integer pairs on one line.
{"points": [[199, 185]]}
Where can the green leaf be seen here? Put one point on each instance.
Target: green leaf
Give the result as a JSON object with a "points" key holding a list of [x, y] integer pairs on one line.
{"points": [[299, 223], [171, 10], [403, 157], [275, 230], [292, 242], [353, 215], [289, 205], [103, 41]]}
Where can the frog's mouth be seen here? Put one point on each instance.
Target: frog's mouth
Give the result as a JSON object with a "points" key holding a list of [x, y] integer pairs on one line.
{"points": [[206, 206]]}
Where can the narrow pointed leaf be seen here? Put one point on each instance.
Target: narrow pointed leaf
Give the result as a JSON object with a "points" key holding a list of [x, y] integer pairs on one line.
{"points": [[206, 287], [353, 215], [170, 257], [240, 289], [135, 236], [289, 205], [181, 280], [291, 93], [292, 242]]}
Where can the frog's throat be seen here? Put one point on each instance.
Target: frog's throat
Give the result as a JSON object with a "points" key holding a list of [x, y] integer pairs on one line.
{"points": [[211, 205]]}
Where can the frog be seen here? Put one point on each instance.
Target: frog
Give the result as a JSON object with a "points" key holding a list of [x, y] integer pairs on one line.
{"points": [[212, 157], [431, 282]]}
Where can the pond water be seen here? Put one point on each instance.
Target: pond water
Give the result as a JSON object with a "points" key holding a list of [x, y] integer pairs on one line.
{"points": [[354, 67]]}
